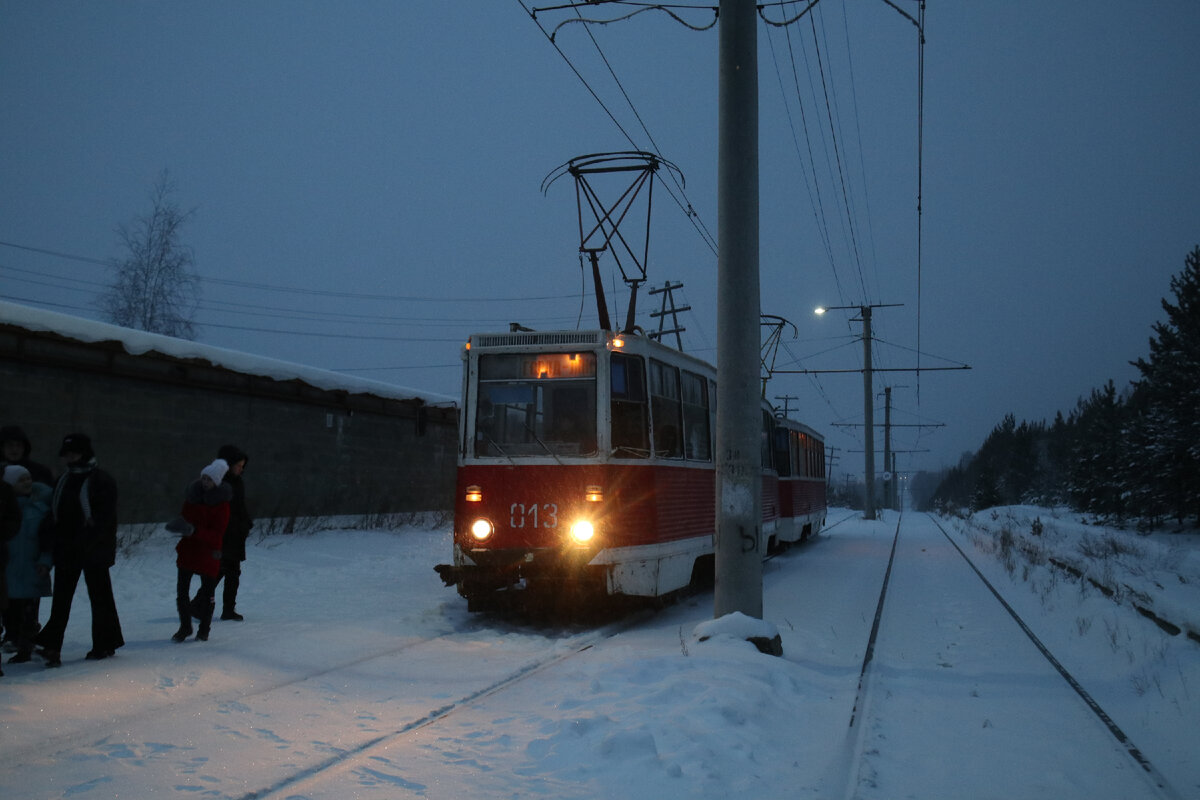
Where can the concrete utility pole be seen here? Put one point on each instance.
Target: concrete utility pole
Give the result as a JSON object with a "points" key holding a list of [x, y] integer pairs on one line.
{"points": [[869, 414], [889, 461], [739, 418], [864, 312]]}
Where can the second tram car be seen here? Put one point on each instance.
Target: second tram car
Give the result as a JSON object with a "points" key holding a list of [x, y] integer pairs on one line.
{"points": [[586, 469]]}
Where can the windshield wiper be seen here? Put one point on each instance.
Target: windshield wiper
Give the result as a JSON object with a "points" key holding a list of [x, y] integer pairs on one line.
{"points": [[496, 445], [545, 446]]}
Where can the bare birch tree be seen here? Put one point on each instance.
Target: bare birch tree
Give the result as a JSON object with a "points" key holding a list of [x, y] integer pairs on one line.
{"points": [[155, 288]]}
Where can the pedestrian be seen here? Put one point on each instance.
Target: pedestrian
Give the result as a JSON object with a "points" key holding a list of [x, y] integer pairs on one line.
{"points": [[15, 448], [83, 520], [206, 510], [29, 559], [233, 548], [10, 523]]}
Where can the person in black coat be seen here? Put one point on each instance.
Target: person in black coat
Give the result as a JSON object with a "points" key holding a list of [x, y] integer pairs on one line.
{"points": [[10, 523], [83, 533], [15, 448], [233, 548]]}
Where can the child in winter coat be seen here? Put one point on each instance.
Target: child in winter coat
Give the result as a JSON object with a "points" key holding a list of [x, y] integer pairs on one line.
{"points": [[206, 508], [29, 559]]}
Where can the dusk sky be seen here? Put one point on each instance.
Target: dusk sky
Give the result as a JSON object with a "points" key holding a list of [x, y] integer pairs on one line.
{"points": [[366, 179]]}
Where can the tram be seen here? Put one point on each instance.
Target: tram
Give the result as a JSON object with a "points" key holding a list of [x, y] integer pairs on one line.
{"points": [[586, 469], [586, 463]]}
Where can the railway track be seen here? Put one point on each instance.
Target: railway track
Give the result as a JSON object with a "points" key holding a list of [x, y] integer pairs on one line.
{"points": [[125, 719], [293, 784], [852, 769]]}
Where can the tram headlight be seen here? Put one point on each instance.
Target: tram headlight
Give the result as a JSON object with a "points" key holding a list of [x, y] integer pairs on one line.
{"points": [[582, 531], [482, 529]]}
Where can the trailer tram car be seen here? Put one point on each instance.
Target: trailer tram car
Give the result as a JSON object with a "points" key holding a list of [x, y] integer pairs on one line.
{"points": [[586, 470]]}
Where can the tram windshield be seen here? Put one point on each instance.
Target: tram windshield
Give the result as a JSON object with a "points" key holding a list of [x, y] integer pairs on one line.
{"points": [[536, 404]]}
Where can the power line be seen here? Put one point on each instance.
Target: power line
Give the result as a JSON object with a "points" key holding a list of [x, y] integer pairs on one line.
{"points": [[838, 158], [325, 335], [684, 205], [259, 310], [298, 290]]}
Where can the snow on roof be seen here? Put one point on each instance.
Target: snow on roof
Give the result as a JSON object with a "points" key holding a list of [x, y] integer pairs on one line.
{"points": [[139, 342]]}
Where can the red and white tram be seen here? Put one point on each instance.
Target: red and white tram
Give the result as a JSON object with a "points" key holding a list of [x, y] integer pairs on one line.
{"points": [[586, 468], [798, 462]]}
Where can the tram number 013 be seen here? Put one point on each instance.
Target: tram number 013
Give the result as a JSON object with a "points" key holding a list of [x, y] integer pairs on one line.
{"points": [[534, 515]]}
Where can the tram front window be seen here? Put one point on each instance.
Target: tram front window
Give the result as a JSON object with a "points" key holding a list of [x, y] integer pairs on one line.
{"points": [[539, 404]]}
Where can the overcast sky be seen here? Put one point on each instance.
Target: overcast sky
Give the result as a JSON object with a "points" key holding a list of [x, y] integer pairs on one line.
{"points": [[366, 179]]}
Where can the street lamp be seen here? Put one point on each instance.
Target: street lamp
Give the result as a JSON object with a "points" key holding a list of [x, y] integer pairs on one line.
{"points": [[868, 400]]}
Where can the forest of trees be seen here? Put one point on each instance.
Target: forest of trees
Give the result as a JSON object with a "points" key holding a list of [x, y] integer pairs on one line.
{"points": [[1129, 454]]}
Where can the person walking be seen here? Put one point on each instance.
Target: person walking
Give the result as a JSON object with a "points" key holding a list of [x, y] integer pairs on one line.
{"points": [[29, 560], [10, 523], [233, 547], [83, 520], [206, 509], [15, 448]]}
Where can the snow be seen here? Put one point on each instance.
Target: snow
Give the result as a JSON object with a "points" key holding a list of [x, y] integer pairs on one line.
{"points": [[139, 342], [357, 674]]}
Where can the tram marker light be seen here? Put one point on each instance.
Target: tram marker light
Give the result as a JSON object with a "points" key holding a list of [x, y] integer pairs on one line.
{"points": [[474, 494], [594, 494]]}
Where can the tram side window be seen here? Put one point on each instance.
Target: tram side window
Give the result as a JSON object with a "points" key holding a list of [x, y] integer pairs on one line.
{"points": [[783, 452], [666, 410], [629, 428], [765, 440], [697, 437]]}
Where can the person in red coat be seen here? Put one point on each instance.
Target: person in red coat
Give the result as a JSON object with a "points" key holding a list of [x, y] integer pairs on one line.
{"points": [[206, 509]]}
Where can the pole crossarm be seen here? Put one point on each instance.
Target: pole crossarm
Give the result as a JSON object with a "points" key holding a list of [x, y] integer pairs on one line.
{"points": [[891, 425], [856, 371]]}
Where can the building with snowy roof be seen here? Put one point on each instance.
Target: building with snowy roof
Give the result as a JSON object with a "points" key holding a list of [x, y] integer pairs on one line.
{"points": [[158, 408]]}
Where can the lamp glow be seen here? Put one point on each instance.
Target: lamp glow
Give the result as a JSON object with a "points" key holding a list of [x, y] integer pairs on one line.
{"points": [[582, 531], [482, 529]]}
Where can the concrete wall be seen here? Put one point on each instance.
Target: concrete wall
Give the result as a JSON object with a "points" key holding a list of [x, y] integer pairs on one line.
{"points": [[156, 420]]}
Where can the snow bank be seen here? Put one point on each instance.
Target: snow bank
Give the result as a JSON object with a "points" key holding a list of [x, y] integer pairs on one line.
{"points": [[139, 343]]}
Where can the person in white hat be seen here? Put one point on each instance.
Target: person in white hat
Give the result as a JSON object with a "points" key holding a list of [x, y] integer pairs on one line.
{"points": [[206, 507]]}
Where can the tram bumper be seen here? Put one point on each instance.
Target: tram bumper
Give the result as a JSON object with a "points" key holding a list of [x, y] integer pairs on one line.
{"points": [[484, 570], [449, 574]]}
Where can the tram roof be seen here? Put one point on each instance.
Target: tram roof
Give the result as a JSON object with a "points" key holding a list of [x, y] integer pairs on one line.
{"points": [[634, 342]]}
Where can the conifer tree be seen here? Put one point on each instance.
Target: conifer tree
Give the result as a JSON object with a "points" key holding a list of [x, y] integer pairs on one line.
{"points": [[1169, 390]]}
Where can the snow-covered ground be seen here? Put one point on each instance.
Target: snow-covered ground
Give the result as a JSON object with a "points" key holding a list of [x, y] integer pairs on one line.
{"points": [[357, 674]]}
